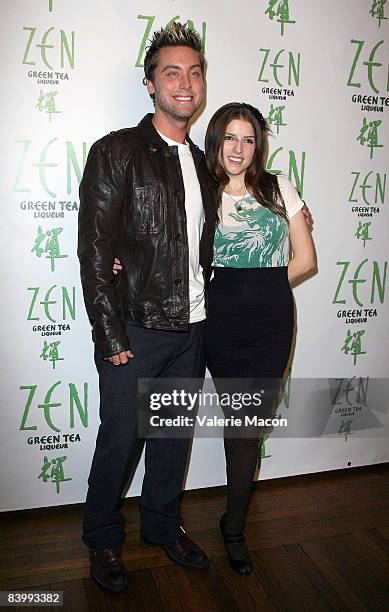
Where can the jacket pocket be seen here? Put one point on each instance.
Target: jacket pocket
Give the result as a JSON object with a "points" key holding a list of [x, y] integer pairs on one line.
{"points": [[145, 211]]}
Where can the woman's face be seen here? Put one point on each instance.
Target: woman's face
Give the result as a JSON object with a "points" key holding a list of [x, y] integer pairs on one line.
{"points": [[238, 148]]}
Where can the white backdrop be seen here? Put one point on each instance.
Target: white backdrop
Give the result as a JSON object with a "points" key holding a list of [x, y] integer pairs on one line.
{"points": [[71, 72]]}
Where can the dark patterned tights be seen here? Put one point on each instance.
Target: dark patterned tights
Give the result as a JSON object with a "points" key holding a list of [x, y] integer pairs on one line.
{"points": [[241, 462]]}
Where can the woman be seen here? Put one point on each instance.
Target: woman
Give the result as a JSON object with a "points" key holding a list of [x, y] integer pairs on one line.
{"points": [[250, 318]]}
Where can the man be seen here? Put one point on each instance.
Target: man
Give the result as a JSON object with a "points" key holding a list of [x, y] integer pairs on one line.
{"points": [[146, 197]]}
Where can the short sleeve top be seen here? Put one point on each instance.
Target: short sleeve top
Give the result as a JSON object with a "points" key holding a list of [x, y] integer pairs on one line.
{"points": [[250, 235]]}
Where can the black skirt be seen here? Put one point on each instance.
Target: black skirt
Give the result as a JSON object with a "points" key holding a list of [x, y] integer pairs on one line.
{"points": [[249, 325]]}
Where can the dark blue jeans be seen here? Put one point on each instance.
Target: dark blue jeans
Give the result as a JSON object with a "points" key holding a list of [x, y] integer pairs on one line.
{"points": [[157, 353]]}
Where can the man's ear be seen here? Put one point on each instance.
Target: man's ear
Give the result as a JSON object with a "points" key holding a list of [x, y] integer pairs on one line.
{"points": [[150, 87]]}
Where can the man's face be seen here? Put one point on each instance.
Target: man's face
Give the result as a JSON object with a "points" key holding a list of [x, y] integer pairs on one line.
{"points": [[178, 83]]}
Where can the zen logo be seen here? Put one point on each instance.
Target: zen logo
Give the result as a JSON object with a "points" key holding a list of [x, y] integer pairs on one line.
{"points": [[372, 68], [296, 171], [373, 184], [369, 281], [283, 73], [45, 166], [59, 48], [353, 390], [60, 308], [48, 406], [148, 30]]}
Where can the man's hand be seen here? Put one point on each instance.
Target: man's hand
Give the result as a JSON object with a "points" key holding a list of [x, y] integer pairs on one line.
{"points": [[124, 356], [120, 358], [308, 216], [117, 265]]}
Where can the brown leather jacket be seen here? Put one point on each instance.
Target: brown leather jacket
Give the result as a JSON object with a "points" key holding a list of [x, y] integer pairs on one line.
{"points": [[132, 205]]}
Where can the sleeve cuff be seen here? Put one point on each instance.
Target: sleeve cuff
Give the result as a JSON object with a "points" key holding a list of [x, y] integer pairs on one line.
{"points": [[109, 346], [295, 208]]}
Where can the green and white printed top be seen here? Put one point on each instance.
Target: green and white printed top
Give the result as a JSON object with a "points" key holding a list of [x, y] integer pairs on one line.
{"points": [[250, 235]]}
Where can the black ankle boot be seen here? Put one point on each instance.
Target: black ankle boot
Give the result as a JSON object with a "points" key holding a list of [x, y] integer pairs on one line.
{"points": [[244, 566]]}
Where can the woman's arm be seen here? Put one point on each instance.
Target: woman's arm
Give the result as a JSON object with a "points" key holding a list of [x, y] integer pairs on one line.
{"points": [[303, 263]]}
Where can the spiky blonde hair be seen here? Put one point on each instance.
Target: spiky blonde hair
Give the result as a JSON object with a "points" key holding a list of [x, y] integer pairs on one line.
{"points": [[175, 35]]}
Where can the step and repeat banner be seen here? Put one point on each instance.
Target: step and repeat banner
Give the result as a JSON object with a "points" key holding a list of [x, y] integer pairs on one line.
{"points": [[71, 72]]}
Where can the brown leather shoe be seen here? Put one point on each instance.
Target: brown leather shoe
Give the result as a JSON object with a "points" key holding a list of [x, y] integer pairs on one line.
{"points": [[186, 553], [107, 570]]}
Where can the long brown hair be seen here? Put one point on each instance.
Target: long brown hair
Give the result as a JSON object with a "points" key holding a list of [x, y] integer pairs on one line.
{"points": [[262, 185]]}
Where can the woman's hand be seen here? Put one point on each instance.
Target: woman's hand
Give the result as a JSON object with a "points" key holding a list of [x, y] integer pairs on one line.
{"points": [[117, 266], [307, 215]]}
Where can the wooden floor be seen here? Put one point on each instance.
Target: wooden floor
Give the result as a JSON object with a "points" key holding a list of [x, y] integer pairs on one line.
{"points": [[318, 542]]}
